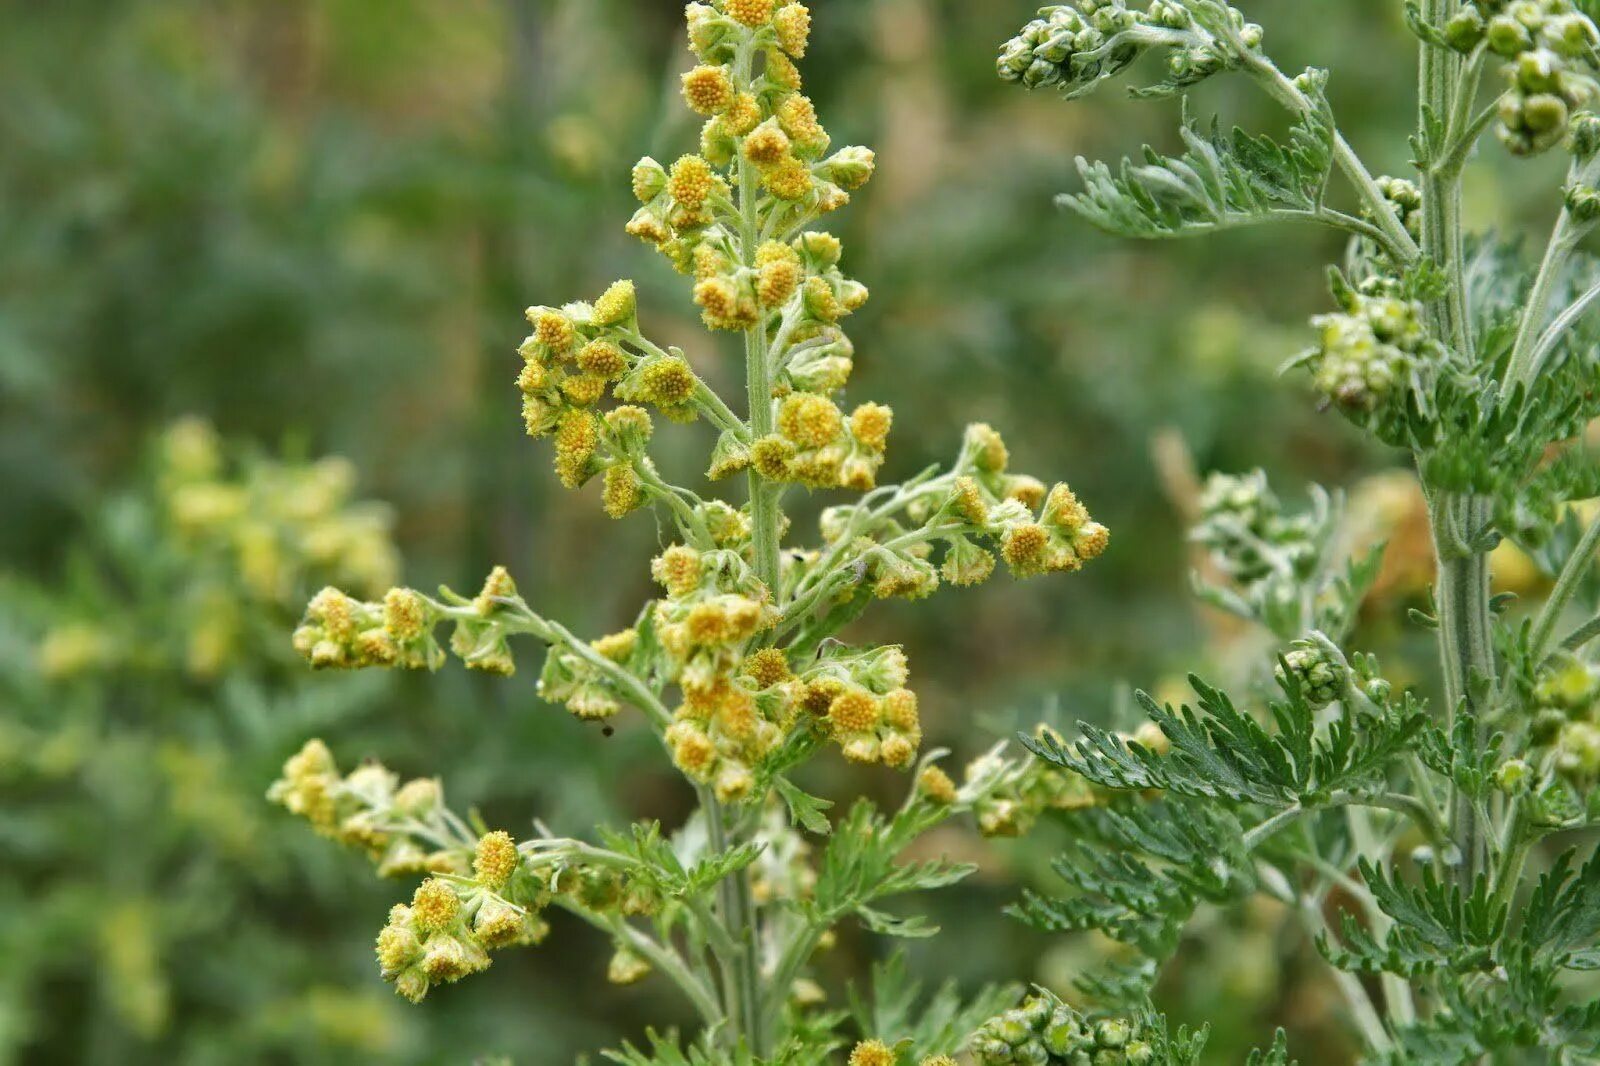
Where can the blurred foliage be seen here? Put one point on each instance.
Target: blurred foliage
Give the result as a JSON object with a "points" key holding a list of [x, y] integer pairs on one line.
{"points": [[315, 222]]}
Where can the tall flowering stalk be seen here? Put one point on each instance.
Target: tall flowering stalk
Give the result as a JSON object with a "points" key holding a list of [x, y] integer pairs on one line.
{"points": [[1468, 926], [738, 667]]}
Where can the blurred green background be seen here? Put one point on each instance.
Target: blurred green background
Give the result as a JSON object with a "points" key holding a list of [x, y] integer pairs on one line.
{"points": [[314, 224]]}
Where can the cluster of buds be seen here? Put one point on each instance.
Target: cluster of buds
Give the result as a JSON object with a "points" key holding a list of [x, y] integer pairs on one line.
{"points": [[1313, 669], [1567, 717], [1404, 198], [1551, 51], [1368, 352], [1044, 1031], [1249, 537], [368, 808], [1010, 796], [339, 631], [1076, 46], [452, 923]]}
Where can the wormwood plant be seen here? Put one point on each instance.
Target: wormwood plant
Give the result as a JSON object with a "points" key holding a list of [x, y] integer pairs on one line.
{"points": [[142, 690], [738, 666], [1444, 836]]}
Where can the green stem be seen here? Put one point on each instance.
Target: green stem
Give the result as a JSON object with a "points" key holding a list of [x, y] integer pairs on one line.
{"points": [[736, 902], [1572, 574], [1461, 590]]}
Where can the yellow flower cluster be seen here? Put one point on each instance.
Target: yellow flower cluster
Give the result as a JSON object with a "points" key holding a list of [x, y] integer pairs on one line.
{"points": [[1567, 717], [339, 631], [817, 446], [363, 808], [708, 623], [992, 501], [877, 1053], [452, 924]]}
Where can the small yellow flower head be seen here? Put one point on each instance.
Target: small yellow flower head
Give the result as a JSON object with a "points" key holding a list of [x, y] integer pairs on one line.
{"points": [[583, 390], [375, 647], [708, 623], [766, 145], [809, 420], [798, 118], [435, 905], [1091, 541], [623, 492], [750, 12], [577, 436], [852, 167], [691, 181], [900, 711], [743, 114], [782, 72], [820, 300], [617, 305], [498, 585], [496, 859], [788, 179], [822, 250], [626, 968], [649, 178], [872, 1053], [770, 457], [854, 711], [533, 377], [312, 760], [498, 923], [1062, 509], [708, 90], [335, 611], [617, 647], [767, 667], [779, 273], [793, 23], [938, 1060], [897, 751], [870, 423], [648, 227], [723, 306], [967, 500], [667, 382], [967, 564], [692, 751], [734, 783], [678, 570], [777, 281], [397, 948], [419, 796], [603, 360], [1026, 490], [1024, 548], [552, 329], [988, 449], [935, 784]]}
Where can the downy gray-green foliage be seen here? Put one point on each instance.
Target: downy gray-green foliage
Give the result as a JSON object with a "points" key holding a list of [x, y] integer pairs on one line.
{"points": [[1450, 820]]}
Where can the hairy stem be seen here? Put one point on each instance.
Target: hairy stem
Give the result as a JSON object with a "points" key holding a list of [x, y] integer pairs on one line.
{"points": [[1461, 587], [734, 896]]}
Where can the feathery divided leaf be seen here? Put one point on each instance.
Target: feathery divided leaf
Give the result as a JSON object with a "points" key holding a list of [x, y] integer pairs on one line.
{"points": [[1220, 181]]}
